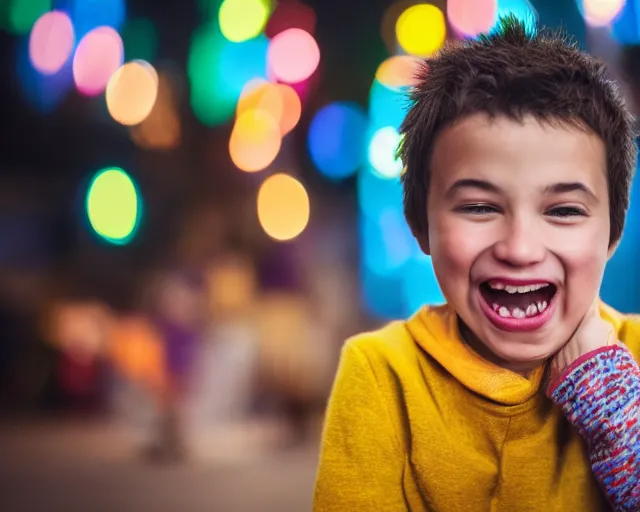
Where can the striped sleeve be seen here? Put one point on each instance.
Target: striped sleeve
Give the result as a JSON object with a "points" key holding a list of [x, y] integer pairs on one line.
{"points": [[600, 395]]}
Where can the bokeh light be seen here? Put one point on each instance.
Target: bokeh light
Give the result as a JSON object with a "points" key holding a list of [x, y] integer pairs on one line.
{"points": [[24, 13], [387, 107], [625, 28], [291, 14], [42, 92], [337, 139], [389, 21], [136, 350], [397, 278], [216, 80], [600, 13], [210, 104], [90, 14], [521, 9], [255, 140], [79, 329], [161, 130], [131, 92], [291, 108], [279, 100], [293, 55], [421, 30], [51, 42], [260, 94], [99, 55], [398, 71], [382, 152], [140, 39], [241, 20], [377, 194], [419, 283], [283, 207], [113, 205], [387, 242], [381, 295], [472, 18]]}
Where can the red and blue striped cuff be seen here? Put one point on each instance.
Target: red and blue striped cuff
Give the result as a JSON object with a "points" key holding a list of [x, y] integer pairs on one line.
{"points": [[600, 395]]}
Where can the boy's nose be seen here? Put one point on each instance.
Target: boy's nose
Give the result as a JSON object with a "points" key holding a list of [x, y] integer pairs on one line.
{"points": [[519, 245]]}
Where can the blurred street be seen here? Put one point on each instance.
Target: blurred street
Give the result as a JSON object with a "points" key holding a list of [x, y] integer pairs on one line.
{"points": [[93, 467], [199, 203]]}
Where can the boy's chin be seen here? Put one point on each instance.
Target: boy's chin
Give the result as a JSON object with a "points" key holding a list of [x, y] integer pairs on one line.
{"points": [[512, 350]]}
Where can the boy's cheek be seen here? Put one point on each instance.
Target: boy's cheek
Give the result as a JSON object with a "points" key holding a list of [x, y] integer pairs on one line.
{"points": [[584, 262], [455, 251]]}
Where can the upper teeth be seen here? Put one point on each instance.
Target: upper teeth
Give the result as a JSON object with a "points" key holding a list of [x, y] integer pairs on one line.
{"points": [[496, 285]]}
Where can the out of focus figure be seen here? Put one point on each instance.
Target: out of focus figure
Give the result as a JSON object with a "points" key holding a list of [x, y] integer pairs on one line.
{"points": [[224, 374], [136, 353], [295, 356], [80, 331], [178, 315]]}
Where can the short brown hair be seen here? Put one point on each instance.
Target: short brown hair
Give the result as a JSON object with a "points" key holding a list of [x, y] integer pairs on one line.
{"points": [[514, 72]]}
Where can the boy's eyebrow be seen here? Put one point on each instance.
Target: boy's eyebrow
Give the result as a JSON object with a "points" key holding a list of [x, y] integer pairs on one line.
{"points": [[472, 183], [556, 188], [575, 186]]}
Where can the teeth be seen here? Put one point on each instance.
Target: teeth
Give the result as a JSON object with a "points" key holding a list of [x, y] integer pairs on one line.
{"points": [[518, 313], [497, 285], [532, 310], [542, 305], [504, 312], [495, 306]]}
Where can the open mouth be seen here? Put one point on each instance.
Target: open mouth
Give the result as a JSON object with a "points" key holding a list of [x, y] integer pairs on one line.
{"points": [[517, 302]]}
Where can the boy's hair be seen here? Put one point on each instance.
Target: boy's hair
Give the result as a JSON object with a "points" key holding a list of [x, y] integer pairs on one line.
{"points": [[514, 72]]}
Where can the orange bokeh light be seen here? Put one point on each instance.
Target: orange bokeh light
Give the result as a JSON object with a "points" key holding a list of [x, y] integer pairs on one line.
{"points": [[398, 71], [599, 13], [283, 207], [292, 108], [255, 140], [279, 100], [161, 129], [132, 92]]}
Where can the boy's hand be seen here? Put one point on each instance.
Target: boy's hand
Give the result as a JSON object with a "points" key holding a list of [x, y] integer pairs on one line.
{"points": [[592, 333]]}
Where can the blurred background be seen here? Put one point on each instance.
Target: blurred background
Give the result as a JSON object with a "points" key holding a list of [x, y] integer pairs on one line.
{"points": [[199, 202]]}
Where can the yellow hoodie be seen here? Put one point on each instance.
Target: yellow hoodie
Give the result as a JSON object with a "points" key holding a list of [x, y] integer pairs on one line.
{"points": [[417, 421]]}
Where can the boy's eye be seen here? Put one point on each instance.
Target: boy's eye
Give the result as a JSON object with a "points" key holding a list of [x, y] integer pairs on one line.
{"points": [[477, 209], [566, 211]]}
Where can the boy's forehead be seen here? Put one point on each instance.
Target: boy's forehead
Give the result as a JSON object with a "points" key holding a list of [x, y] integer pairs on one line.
{"points": [[506, 149]]}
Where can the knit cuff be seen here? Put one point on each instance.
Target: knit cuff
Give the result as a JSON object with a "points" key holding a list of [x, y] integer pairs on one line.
{"points": [[574, 366], [600, 396]]}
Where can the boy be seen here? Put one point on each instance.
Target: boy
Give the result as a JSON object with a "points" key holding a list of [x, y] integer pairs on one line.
{"points": [[522, 393]]}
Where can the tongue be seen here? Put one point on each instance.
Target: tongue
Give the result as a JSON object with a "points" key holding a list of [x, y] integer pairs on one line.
{"points": [[516, 300]]}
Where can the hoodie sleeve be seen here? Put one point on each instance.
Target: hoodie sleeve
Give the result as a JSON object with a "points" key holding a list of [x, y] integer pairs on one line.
{"points": [[361, 461], [600, 395]]}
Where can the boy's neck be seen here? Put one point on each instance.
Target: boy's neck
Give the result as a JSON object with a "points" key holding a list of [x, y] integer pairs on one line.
{"points": [[474, 343]]}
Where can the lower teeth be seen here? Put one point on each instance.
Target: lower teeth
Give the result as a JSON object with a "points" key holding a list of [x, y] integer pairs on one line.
{"points": [[532, 310]]}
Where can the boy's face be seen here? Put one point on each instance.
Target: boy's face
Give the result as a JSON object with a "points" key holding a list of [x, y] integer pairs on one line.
{"points": [[518, 232]]}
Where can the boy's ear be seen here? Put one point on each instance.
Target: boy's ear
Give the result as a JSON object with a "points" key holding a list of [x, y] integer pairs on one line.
{"points": [[423, 242]]}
